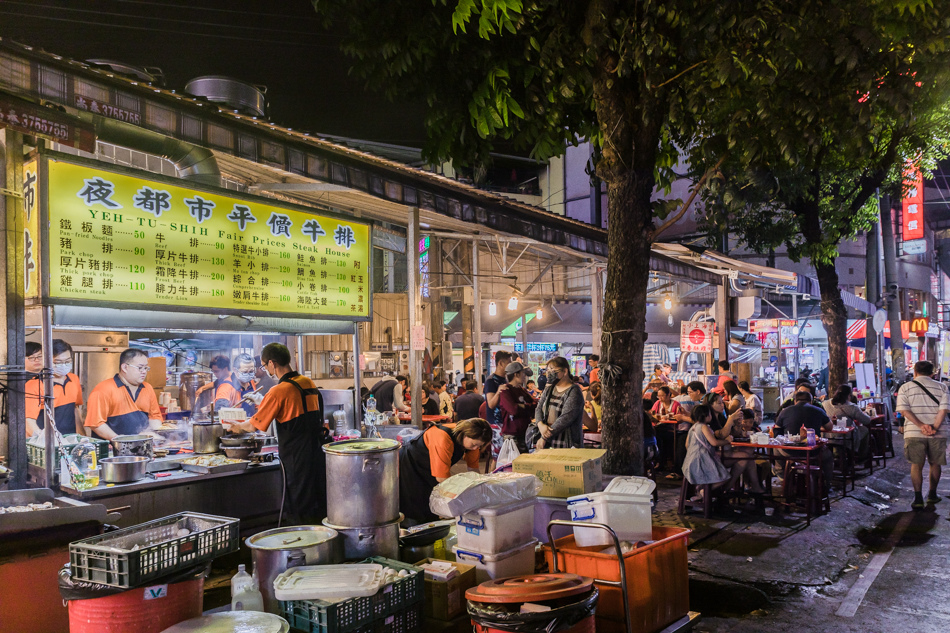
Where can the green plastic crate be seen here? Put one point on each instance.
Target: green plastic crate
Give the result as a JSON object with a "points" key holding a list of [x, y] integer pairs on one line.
{"points": [[36, 455], [360, 615]]}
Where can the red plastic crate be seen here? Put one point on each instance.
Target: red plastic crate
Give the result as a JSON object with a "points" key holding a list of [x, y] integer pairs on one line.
{"points": [[657, 579]]}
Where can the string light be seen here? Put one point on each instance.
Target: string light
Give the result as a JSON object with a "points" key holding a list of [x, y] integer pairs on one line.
{"points": [[492, 309], [539, 314], [513, 303]]}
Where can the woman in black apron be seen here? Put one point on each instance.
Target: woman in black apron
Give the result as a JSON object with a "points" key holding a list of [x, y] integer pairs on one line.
{"points": [[428, 459]]}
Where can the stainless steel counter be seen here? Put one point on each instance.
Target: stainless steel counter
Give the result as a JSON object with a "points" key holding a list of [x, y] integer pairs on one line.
{"points": [[252, 495]]}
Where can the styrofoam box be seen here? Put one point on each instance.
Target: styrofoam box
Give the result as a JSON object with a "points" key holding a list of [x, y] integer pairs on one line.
{"points": [[497, 528], [515, 562], [628, 515]]}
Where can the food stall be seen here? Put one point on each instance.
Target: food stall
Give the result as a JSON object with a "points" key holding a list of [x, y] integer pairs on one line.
{"points": [[183, 272]]}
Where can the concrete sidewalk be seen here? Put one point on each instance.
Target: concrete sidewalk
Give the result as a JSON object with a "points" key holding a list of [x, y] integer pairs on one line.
{"points": [[751, 573]]}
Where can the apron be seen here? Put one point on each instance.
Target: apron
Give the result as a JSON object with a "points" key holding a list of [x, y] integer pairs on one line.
{"points": [[415, 477], [65, 416], [131, 423], [249, 407], [300, 447]]}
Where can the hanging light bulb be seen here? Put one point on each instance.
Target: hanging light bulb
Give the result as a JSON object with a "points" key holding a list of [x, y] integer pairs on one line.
{"points": [[669, 320], [668, 302], [492, 309], [513, 303], [539, 314]]}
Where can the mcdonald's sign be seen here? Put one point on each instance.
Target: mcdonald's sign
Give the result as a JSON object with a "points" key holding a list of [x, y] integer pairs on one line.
{"points": [[919, 326]]}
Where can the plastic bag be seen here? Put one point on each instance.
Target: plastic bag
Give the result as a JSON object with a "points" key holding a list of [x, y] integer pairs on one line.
{"points": [[470, 491], [509, 450], [562, 618]]}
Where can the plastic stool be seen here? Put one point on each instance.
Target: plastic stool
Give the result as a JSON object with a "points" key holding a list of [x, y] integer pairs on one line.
{"points": [[796, 487], [685, 495]]}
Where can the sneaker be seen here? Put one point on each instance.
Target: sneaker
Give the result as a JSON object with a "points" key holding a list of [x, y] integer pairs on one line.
{"points": [[917, 505], [932, 499]]}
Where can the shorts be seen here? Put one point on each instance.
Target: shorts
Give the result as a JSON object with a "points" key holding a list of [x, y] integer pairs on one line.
{"points": [[934, 449]]}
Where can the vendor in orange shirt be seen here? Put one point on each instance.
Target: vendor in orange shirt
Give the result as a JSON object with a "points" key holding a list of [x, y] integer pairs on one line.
{"points": [[67, 394], [124, 404], [235, 388], [296, 405], [427, 460]]}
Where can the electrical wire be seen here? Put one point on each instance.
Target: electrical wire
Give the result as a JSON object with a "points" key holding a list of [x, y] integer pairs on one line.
{"points": [[245, 39], [193, 8]]}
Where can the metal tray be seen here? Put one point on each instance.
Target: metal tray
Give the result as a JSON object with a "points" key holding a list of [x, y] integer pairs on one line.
{"points": [[240, 465]]}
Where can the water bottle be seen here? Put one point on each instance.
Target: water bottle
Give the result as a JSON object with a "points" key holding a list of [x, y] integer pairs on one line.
{"points": [[371, 404], [86, 463], [245, 595], [810, 437]]}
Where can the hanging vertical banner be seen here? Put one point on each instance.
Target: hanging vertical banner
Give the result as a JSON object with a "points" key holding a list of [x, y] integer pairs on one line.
{"points": [[31, 223], [912, 211]]}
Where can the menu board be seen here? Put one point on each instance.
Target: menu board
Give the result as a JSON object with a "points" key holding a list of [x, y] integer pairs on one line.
{"points": [[124, 239]]}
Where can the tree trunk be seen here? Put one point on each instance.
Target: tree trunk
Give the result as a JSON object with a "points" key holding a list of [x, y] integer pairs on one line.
{"points": [[834, 316]]}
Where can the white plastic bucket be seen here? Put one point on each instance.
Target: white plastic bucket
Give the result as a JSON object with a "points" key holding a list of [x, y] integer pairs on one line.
{"points": [[515, 562], [497, 528], [629, 516]]}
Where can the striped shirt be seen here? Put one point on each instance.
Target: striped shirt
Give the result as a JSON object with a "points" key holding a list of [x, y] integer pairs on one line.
{"points": [[914, 398]]}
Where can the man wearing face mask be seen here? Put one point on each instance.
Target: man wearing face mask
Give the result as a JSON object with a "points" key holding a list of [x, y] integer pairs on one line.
{"points": [[236, 390], [296, 405], [67, 395]]}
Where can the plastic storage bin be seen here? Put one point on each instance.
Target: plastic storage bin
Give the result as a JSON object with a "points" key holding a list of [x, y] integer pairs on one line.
{"points": [[657, 579], [548, 509], [629, 516], [514, 562], [497, 528]]}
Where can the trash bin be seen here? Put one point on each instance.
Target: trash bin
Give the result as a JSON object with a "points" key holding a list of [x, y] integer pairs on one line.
{"points": [[563, 603]]}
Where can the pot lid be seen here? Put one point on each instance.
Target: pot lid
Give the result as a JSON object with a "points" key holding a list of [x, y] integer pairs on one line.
{"points": [[532, 588], [291, 537], [361, 446], [233, 622], [131, 438]]}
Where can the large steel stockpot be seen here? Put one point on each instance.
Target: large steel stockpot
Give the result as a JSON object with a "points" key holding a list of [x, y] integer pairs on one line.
{"points": [[375, 540], [362, 482], [275, 551]]}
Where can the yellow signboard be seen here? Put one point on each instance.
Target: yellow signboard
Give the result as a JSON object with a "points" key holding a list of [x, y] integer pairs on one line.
{"points": [[123, 239], [31, 212]]}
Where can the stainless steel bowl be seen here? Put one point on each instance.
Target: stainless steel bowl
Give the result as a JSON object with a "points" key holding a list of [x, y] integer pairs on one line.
{"points": [[137, 445], [237, 452], [126, 468]]}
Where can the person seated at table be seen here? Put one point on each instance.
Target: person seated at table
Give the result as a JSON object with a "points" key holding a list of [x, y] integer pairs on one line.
{"points": [[798, 418], [752, 401], [801, 384], [468, 403], [841, 405], [747, 424], [734, 399], [665, 411], [718, 407], [741, 461], [701, 465], [430, 406]]}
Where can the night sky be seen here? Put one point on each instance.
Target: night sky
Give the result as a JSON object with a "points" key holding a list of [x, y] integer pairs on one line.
{"points": [[277, 43]]}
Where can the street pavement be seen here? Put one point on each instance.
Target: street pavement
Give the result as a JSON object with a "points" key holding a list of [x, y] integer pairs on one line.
{"points": [[870, 565]]}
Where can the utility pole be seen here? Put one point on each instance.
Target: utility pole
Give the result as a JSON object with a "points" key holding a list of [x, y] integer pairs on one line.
{"points": [[892, 291]]}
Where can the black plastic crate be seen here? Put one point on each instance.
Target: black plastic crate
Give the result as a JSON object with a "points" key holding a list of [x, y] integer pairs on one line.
{"points": [[136, 555]]}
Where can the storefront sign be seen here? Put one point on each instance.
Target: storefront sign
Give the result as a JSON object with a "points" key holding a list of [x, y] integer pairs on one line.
{"points": [[788, 335], [29, 118], [696, 337], [31, 223], [912, 216], [919, 326], [119, 238], [424, 266], [945, 354], [538, 347], [763, 326]]}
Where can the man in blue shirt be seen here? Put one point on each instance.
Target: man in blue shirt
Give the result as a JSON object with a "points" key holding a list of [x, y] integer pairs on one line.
{"points": [[494, 385]]}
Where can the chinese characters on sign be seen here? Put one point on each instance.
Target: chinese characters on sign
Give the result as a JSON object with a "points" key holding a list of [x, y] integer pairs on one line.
{"points": [[696, 337], [424, 267], [30, 229], [119, 238], [30, 118], [912, 215]]}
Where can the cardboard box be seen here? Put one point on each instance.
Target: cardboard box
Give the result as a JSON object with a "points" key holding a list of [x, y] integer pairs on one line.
{"points": [[446, 600], [565, 472]]}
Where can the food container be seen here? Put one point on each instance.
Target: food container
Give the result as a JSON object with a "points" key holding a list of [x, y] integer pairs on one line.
{"points": [[117, 470], [571, 601], [275, 551], [189, 383], [363, 484], [515, 562], [629, 515], [233, 622], [369, 541], [497, 528], [137, 445], [206, 436]]}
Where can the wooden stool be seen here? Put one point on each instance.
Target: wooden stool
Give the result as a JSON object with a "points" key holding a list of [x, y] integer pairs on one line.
{"points": [[688, 488], [796, 486]]}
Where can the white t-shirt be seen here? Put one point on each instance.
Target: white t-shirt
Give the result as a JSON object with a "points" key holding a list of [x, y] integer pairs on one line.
{"points": [[913, 398]]}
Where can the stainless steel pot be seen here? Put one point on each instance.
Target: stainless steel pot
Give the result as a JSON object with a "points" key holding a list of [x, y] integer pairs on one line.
{"points": [[374, 540], [188, 385], [362, 482], [133, 445], [118, 470], [275, 551], [206, 437]]}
